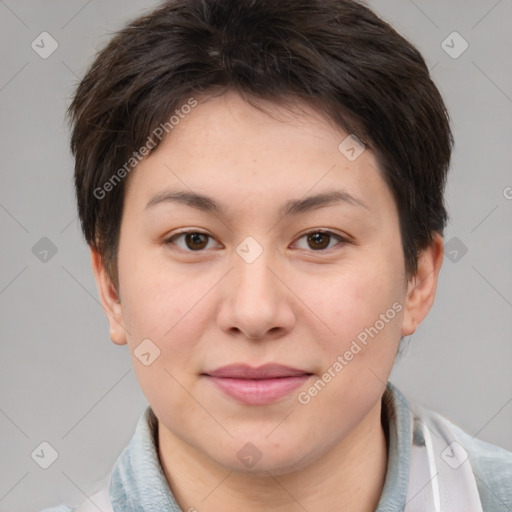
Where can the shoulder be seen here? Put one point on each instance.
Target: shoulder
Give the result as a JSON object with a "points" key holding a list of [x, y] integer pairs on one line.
{"points": [[492, 467], [467, 469]]}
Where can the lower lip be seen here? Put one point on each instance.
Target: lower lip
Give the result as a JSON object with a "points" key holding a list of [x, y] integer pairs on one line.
{"points": [[260, 391]]}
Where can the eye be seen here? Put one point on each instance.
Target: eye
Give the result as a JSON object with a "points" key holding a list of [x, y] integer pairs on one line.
{"points": [[319, 240], [194, 241]]}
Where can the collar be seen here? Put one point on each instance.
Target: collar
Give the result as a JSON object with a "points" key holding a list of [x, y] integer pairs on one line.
{"points": [[138, 483], [396, 420]]}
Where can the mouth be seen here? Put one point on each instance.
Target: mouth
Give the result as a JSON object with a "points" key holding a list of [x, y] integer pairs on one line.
{"points": [[257, 386]]}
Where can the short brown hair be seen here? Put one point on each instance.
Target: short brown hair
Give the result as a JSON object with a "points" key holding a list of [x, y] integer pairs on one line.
{"points": [[336, 55]]}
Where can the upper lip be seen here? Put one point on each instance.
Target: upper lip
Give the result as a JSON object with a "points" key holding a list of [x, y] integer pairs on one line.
{"points": [[267, 371]]}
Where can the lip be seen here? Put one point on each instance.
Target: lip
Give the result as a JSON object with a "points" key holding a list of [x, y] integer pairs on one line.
{"points": [[257, 386]]}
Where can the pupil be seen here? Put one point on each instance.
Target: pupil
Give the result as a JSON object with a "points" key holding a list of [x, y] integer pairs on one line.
{"points": [[317, 238], [195, 238]]}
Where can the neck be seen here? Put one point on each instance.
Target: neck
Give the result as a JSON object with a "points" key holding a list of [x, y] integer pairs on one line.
{"points": [[350, 476]]}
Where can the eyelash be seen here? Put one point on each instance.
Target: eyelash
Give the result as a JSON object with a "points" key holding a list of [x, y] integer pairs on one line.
{"points": [[342, 240]]}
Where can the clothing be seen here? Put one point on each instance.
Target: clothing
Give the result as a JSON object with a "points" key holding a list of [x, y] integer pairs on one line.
{"points": [[432, 466]]}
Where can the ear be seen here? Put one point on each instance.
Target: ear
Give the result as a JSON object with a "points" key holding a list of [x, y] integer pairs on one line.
{"points": [[109, 299], [421, 289]]}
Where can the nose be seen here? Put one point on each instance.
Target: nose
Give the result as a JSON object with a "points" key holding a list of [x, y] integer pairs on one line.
{"points": [[256, 302]]}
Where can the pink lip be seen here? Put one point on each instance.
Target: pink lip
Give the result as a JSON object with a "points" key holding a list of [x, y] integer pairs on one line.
{"points": [[257, 386]]}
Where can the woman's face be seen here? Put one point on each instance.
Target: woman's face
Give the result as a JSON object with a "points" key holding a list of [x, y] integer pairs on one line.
{"points": [[259, 284]]}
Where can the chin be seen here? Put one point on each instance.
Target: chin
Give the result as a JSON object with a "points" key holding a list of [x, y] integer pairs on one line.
{"points": [[261, 457]]}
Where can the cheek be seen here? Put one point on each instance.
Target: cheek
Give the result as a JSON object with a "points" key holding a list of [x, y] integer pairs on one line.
{"points": [[151, 295], [365, 312], [166, 310], [157, 304], [364, 309], [351, 300]]}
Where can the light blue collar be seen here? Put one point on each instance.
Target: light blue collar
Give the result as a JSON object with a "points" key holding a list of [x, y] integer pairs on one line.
{"points": [[138, 483], [396, 415]]}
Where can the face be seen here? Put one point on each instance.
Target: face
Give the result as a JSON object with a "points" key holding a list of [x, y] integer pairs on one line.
{"points": [[270, 277]]}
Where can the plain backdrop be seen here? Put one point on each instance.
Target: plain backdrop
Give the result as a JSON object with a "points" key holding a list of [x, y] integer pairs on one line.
{"points": [[61, 379]]}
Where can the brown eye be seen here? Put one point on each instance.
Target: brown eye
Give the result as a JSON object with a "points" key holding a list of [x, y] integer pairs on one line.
{"points": [[195, 241], [320, 240]]}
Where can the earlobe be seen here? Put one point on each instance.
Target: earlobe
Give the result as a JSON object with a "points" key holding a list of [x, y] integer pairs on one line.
{"points": [[422, 286], [109, 299]]}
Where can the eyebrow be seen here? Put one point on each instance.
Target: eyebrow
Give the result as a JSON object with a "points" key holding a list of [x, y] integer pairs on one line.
{"points": [[291, 207]]}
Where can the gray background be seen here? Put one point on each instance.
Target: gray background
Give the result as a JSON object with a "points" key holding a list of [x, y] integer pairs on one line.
{"points": [[64, 382]]}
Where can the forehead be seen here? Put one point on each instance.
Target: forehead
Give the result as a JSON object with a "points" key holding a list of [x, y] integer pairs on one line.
{"points": [[230, 151], [258, 125]]}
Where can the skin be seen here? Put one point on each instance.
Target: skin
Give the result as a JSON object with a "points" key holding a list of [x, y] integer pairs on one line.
{"points": [[297, 304]]}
